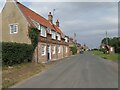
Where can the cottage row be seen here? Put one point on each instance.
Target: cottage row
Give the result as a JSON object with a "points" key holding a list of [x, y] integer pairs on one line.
{"points": [[17, 19]]}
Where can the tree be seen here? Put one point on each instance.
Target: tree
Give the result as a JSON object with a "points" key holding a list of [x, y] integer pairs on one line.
{"points": [[114, 42]]}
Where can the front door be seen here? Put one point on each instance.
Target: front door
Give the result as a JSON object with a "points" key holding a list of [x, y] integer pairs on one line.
{"points": [[48, 52]]}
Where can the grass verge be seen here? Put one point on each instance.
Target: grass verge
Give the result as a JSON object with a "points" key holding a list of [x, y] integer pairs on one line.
{"points": [[17, 73], [112, 56]]}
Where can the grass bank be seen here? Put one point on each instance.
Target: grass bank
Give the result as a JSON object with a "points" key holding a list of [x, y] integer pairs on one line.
{"points": [[17, 73], [113, 56]]}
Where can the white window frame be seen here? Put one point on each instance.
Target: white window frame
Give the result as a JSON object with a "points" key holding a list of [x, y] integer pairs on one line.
{"points": [[53, 34], [43, 50], [53, 49], [59, 49], [58, 37], [36, 24], [14, 24], [49, 30], [66, 39], [43, 29], [66, 49]]}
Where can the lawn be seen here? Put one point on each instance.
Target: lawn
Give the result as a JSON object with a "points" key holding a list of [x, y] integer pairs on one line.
{"points": [[17, 73], [113, 57]]}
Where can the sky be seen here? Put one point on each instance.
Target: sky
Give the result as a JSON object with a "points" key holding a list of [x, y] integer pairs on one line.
{"points": [[89, 20]]}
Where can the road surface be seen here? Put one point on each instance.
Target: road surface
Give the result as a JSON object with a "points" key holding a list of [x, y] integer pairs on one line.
{"points": [[80, 71]]}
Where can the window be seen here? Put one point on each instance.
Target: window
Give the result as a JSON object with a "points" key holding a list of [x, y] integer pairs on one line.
{"points": [[53, 49], [13, 28], [66, 49], [58, 49], [49, 30], [36, 24], [66, 39], [58, 36], [43, 50], [53, 35], [43, 31]]}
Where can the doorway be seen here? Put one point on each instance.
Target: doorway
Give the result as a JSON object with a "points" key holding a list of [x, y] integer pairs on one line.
{"points": [[48, 52]]}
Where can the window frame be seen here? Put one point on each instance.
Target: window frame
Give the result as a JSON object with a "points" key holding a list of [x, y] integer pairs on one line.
{"points": [[43, 29], [14, 24], [66, 49], [53, 49], [66, 39], [58, 37], [53, 34], [43, 50], [59, 49]]}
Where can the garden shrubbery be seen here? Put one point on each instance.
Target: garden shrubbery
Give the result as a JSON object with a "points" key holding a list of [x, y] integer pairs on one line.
{"points": [[16, 53], [74, 50]]}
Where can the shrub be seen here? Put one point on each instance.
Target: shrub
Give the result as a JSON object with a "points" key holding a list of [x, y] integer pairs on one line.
{"points": [[103, 50], [73, 49], [16, 53]]}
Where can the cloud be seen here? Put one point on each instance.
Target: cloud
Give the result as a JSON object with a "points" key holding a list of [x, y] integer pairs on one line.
{"points": [[2, 3], [89, 20]]}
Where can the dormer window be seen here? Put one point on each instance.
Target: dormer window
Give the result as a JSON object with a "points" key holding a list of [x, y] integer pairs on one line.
{"points": [[36, 24], [53, 35], [66, 39], [58, 36], [43, 31], [49, 30]]}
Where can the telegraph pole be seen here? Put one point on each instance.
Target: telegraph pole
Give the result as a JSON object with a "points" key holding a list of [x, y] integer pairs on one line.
{"points": [[53, 12], [106, 38]]}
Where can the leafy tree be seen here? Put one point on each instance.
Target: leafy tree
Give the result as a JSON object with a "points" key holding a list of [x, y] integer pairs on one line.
{"points": [[114, 42]]}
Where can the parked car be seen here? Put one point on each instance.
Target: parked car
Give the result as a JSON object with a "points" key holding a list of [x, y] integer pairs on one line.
{"points": [[81, 52]]}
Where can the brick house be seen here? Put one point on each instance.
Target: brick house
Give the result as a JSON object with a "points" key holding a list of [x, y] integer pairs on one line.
{"points": [[16, 21]]}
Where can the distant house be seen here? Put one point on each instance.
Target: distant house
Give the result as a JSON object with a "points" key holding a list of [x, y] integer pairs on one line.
{"points": [[108, 48], [17, 19]]}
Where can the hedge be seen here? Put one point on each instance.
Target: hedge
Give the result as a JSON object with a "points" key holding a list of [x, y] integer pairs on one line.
{"points": [[16, 53]]}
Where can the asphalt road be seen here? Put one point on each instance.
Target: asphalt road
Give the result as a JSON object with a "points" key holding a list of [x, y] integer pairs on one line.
{"points": [[80, 71]]}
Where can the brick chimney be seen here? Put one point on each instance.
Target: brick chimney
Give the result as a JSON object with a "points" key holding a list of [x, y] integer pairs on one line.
{"points": [[50, 18], [57, 23]]}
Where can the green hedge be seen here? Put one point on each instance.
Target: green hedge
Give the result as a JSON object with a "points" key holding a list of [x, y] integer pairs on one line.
{"points": [[15, 53], [74, 50]]}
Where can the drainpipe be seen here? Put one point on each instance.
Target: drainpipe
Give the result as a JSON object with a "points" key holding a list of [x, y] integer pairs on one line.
{"points": [[56, 47], [47, 48], [37, 54]]}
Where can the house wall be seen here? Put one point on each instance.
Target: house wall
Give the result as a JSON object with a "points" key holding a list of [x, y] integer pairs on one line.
{"points": [[11, 14], [60, 55], [53, 56], [68, 51], [38, 54]]}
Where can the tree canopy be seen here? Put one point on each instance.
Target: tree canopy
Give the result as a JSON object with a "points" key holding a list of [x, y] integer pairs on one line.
{"points": [[114, 42]]}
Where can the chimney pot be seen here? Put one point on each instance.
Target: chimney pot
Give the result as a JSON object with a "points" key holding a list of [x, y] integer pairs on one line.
{"points": [[49, 13], [50, 18], [57, 23]]}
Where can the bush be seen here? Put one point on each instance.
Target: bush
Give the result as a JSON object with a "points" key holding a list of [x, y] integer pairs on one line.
{"points": [[15, 53], [74, 50], [117, 50], [103, 50]]}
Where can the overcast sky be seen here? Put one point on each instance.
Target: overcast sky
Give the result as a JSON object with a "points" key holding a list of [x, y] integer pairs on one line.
{"points": [[89, 20]]}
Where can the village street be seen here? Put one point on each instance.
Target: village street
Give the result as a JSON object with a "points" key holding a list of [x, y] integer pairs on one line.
{"points": [[80, 71]]}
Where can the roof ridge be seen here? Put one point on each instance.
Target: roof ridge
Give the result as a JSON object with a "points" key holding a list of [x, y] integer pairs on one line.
{"points": [[31, 10]]}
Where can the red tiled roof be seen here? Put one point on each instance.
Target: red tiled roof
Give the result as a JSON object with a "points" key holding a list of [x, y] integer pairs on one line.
{"points": [[58, 29], [29, 14]]}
